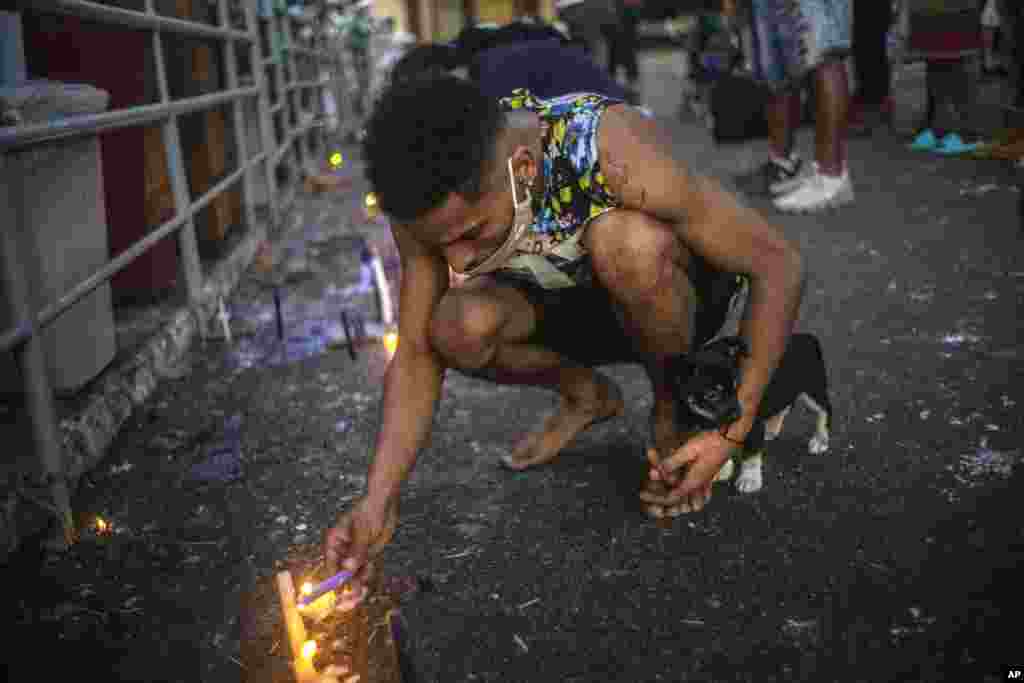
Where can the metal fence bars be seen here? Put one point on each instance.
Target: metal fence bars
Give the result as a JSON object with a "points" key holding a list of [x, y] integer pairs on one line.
{"points": [[289, 120]]}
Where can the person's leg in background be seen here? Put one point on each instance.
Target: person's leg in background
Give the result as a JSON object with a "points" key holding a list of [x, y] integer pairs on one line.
{"points": [[873, 101], [361, 66], [990, 25], [572, 17], [819, 42], [628, 39], [613, 39], [1013, 20], [783, 112], [599, 45]]}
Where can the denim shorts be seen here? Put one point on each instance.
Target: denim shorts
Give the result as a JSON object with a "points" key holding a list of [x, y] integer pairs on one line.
{"points": [[793, 37]]}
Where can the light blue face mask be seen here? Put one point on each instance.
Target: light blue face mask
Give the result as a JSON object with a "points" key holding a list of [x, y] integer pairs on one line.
{"points": [[521, 221]]}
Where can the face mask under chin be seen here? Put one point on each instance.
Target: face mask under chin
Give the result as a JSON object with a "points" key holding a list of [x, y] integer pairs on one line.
{"points": [[521, 221]]}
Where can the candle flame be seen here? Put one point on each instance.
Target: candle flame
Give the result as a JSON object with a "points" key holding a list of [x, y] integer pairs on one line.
{"points": [[391, 342], [372, 210], [337, 160], [309, 649], [307, 588], [102, 525]]}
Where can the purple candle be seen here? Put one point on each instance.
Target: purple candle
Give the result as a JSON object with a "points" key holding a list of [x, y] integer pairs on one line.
{"points": [[325, 587]]}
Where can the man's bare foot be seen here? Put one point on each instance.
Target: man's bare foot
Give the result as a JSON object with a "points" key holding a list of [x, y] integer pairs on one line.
{"points": [[573, 416]]}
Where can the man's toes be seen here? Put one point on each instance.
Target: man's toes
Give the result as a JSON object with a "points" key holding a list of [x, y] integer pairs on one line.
{"points": [[522, 462], [513, 463], [524, 455], [656, 511]]}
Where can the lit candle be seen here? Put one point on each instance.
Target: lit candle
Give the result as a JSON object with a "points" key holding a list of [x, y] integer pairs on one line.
{"points": [[324, 587], [372, 210], [391, 342], [337, 160], [102, 526], [320, 608]]}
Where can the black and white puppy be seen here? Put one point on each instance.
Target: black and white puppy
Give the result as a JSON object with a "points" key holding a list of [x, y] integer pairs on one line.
{"points": [[801, 375]]}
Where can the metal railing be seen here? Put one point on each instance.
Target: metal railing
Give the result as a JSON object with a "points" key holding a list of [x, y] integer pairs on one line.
{"points": [[301, 139]]}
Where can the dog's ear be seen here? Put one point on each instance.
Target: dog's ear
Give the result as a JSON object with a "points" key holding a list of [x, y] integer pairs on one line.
{"points": [[724, 352]]}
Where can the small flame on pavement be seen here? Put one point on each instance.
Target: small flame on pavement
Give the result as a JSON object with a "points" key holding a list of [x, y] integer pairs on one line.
{"points": [[391, 342]]}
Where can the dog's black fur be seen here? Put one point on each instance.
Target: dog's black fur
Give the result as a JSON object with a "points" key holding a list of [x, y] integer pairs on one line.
{"points": [[801, 371]]}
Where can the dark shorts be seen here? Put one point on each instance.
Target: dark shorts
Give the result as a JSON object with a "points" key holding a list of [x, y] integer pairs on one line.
{"points": [[581, 323]]}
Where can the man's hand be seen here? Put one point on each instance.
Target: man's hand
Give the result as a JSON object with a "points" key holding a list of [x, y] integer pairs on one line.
{"points": [[359, 535], [703, 456]]}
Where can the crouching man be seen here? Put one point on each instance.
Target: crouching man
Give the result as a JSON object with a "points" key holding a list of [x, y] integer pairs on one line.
{"points": [[580, 239]]}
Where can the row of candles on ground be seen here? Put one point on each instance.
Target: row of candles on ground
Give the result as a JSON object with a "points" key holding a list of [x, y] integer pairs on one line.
{"points": [[316, 602], [370, 202]]}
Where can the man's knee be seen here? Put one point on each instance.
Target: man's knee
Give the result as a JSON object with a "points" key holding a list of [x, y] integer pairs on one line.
{"points": [[633, 252], [464, 329]]}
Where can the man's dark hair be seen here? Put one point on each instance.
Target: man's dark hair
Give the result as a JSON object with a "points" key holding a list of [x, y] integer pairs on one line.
{"points": [[424, 61], [427, 138]]}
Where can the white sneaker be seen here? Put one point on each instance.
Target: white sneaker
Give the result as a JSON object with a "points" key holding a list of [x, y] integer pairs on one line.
{"points": [[818, 192], [787, 185]]}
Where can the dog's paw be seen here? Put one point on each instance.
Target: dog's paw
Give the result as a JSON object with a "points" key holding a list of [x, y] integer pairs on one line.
{"points": [[818, 444], [728, 469], [750, 479]]}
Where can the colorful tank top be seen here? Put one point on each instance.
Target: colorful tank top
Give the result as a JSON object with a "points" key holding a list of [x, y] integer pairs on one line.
{"points": [[575, 190]]}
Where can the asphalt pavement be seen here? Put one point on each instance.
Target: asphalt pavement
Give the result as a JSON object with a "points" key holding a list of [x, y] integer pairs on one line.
{"points": [[893, 557]]}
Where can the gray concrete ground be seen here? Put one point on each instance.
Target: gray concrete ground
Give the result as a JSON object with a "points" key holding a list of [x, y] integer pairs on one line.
{"points": [[892, 557]]}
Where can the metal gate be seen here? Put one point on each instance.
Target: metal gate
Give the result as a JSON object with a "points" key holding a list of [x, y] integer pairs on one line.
{"points": [[300, 140]]}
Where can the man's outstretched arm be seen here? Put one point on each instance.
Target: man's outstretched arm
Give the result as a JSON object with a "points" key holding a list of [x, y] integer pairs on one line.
{"points": [[412, 384], [412, 387]]}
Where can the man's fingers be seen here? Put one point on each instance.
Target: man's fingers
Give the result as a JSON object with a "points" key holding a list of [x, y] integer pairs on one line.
{"points": [[666, 499], [336, 545], [680, 457], [652, 457], [354, 559], [656, 471], [691, 494]]}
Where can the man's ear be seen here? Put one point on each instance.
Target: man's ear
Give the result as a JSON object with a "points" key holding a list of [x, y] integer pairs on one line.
{"points": [[524, 164]]}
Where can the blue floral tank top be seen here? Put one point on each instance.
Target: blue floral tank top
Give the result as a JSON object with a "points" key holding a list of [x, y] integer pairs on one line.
{"points": [[575, 190]]}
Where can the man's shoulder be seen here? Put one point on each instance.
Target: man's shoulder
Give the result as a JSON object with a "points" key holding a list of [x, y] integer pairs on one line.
{"points": [[625, 125]]}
